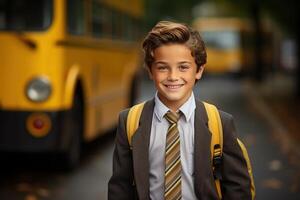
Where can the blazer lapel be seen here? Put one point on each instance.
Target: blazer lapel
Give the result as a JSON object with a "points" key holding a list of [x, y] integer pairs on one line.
{"points": [[140, 151], [201, 147]]}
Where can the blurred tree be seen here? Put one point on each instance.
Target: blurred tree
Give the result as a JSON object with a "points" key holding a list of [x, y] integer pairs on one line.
{"points": [[286, 13], [176, 10]]}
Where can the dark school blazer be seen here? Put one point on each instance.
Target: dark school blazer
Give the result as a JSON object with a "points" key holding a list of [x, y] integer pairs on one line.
{"points": [[130, 178]]}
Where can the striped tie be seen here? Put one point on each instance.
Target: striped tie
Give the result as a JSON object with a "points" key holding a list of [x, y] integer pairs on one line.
{"points": [[172, 159]]}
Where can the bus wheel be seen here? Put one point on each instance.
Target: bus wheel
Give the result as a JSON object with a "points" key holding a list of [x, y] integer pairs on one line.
{"points": [[71, 156]]}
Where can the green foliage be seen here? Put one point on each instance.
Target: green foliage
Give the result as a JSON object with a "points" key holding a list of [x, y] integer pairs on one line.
{"points": [[176, 10], [285, 13]]}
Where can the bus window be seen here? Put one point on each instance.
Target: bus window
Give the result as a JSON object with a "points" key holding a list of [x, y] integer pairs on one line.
{"points": [[223, 40], [97, 20], [137, 28], [106, 19], [129, 29], [25, 15], [75, 14], [117, 21], [101, 20]]}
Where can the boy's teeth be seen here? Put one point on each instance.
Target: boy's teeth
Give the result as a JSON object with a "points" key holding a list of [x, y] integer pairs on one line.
{"points": [[173, 86]]}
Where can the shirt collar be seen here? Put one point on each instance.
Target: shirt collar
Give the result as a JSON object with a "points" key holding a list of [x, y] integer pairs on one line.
{"points": [[187, 108], [159, 109]]}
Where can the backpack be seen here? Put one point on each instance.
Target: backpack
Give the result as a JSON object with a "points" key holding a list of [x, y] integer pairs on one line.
{"points": [[215, 127]]}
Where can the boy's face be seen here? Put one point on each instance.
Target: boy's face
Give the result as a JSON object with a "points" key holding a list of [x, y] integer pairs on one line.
{"points": [[174, 72]]}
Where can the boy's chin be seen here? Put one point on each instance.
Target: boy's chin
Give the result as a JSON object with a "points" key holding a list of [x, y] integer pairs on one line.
{"points": [[172, 98]]}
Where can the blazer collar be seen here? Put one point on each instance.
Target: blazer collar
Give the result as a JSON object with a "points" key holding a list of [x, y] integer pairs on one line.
{"points": [[202, 159], [140, 150]]}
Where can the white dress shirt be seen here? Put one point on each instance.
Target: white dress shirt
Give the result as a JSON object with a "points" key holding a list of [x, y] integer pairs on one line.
{"points": [[157, 145]]}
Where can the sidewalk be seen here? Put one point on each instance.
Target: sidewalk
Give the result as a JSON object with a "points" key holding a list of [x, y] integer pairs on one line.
{"points": [[275, 103]]}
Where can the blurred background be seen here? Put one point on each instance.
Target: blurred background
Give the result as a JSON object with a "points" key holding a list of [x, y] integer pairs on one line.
{"points": [[68, 67]]}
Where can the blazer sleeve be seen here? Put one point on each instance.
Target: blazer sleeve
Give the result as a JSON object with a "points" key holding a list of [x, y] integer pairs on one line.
{"points": [[120, 185], [236, 182]]}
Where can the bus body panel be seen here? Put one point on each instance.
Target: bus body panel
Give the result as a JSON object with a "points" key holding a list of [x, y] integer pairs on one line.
{"points": [[105, 81], [231, 60], [21, 67]]}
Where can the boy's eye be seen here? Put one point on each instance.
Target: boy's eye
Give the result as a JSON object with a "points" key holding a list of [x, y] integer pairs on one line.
{"points": [[183, 67], [162, 68]]}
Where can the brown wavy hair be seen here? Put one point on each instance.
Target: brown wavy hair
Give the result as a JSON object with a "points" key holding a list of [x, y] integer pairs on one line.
{"points": [[167, 32]]}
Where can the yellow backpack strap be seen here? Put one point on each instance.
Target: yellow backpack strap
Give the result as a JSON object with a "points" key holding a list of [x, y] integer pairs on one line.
{"points": [[216, 147], [246, 156], [133, 119]]}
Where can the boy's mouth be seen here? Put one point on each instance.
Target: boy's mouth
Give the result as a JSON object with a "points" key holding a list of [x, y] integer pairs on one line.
{"points": [[174, 86]]}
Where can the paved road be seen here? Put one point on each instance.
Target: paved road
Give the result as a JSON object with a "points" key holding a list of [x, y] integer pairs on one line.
{"points": [[274, 177]]}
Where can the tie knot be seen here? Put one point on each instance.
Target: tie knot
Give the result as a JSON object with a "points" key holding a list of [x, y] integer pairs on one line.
{"points": [[172, 117]]}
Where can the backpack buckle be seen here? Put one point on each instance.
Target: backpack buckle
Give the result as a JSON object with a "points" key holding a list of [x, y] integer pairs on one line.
{"points": [[217, 161]]}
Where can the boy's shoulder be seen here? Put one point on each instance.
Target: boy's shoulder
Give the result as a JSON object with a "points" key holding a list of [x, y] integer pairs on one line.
{"points": [[148, 104], [224, 115], [124, 112]]}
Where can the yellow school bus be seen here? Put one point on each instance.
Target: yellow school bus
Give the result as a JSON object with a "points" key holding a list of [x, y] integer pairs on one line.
{"points": [[229, 43], [67, 68]]}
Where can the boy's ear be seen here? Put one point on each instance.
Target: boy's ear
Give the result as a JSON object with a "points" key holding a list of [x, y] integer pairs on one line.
{"points": [[200, 72]]}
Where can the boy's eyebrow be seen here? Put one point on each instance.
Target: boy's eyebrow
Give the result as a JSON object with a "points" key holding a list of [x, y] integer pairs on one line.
{"points": [[160, 62], [181, 62]]}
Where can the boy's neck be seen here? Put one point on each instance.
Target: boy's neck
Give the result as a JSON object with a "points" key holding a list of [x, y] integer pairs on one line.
{"points": [[173, 105]]}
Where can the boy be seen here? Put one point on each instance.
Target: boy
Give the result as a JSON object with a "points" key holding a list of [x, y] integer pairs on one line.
{"points": [[170, 155]]}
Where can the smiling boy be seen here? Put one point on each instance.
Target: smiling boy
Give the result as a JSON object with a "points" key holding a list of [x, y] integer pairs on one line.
{"points": [[170, 153], [174, 72]]}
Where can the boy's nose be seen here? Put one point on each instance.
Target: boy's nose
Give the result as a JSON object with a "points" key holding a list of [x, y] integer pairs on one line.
{"points": [[173, 75]]}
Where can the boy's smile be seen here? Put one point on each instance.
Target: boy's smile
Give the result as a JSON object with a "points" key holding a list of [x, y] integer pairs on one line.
{"points": [[174, 72]]}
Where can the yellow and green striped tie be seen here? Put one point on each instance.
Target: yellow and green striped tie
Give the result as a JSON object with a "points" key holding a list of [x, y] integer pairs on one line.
{"points": [[172, 159]]}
